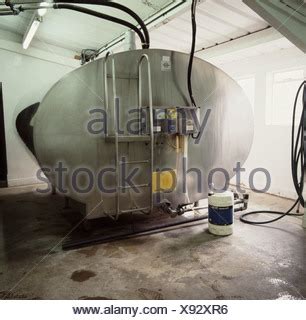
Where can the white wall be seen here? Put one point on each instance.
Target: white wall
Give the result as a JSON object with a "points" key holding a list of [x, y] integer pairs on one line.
{"points": [[271, 147], [25, 80]]}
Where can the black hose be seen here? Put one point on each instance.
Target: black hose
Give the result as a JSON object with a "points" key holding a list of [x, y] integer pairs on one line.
{"points": [[145, 43], [297, 148], [10, 5], [297, 160], [192, 51], [100, 15], [191, 58], [282, 215]]}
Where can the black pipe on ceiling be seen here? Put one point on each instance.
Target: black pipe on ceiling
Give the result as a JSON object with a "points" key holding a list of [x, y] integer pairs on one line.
{"points": [[102, 16], [145, 38], [118, 6]]}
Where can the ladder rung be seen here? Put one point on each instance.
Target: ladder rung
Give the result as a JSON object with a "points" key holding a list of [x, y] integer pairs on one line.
{"points": [[135, 210], [140, 138], [124, 76], [134, 162], [136, 186]]}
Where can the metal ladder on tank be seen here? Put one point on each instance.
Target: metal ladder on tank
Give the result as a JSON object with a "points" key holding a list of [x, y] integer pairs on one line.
{"points": [[117, 139]]}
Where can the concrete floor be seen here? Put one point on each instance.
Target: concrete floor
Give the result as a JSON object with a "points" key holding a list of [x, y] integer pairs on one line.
{"points": [[254, 263]]}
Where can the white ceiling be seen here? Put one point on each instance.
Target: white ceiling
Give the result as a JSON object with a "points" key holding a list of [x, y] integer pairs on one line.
{"points": [[218, 21], [260, 49], [76, 31]]}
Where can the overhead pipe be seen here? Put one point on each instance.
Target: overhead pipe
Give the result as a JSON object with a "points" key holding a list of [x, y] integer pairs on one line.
{"points": [[102, 16], [7, 13], [60, 5], [107, 3]]}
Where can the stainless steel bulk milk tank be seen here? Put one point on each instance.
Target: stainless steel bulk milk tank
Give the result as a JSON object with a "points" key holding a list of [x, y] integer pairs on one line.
{"points": [[149, 86]]}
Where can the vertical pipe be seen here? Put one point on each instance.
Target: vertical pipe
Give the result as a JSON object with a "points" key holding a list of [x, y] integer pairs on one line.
{"points": [[130, 41], [185, 158], [151, 131], [115, 106]]}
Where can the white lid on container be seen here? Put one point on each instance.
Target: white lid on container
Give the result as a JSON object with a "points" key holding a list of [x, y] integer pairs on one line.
{"points": [[222, 199]]}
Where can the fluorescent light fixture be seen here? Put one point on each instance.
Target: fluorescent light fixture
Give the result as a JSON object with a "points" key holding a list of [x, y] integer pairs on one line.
{"points": [[30, 32], [36, 20]]}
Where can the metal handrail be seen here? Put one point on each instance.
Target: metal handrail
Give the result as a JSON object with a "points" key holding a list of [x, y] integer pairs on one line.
{"points": [[105, 79], [115, 124], [143, 58]]}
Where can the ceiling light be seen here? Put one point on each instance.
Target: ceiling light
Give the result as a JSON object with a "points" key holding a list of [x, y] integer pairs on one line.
{"points": [[30, 32]]}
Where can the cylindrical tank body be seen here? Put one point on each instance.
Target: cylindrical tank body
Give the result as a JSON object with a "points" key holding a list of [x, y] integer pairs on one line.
{"points": [[61, 132]]}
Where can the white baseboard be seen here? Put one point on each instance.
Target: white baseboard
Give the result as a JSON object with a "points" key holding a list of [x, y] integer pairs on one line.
{"points": [[23, 181], [284, 193]]}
